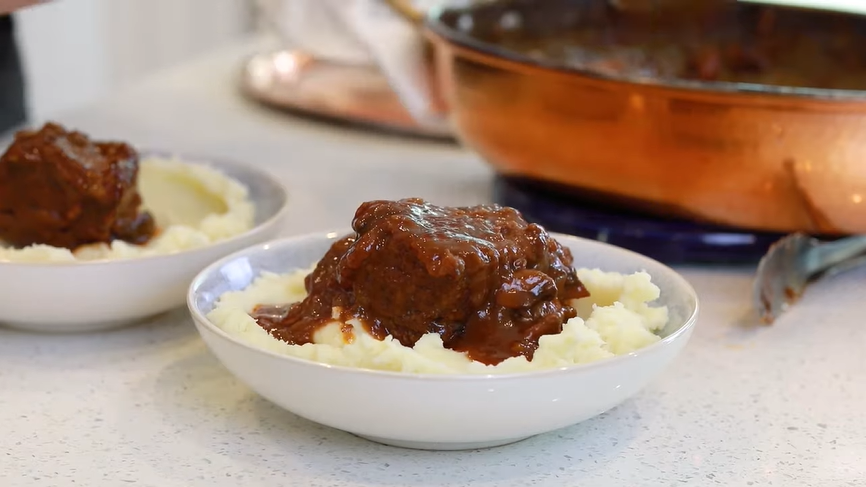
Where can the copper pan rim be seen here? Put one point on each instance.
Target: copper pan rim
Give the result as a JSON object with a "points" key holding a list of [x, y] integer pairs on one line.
{"points": [[438, 31]]}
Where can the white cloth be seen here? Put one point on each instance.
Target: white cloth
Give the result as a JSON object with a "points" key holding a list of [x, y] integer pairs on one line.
{"points": [[365, 32]]}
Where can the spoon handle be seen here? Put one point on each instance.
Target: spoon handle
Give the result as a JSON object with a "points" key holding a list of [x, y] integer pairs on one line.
{"points": [[846, 266], [828, 255]]}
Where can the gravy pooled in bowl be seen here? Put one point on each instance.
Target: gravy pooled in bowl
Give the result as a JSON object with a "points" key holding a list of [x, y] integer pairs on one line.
{"points": [[482, 278], [67, 198], [420, 288]]}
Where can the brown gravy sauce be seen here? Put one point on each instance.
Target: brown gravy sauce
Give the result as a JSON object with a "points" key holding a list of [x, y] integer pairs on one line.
{"points": [[722, 41]]}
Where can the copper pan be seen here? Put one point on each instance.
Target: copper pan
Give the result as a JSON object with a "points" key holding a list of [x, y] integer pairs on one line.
{"points": [[763, 157]]}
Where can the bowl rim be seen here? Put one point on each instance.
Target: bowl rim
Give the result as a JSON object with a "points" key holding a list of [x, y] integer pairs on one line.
{"points": [[433, 22], [202, 321], [190, 159]]}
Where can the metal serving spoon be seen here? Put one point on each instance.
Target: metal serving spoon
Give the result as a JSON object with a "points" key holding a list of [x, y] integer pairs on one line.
{"points": [[796, 260]]}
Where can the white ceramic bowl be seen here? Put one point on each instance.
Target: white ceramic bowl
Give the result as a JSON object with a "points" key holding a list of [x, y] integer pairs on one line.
{"points": [[87, 296], [442, 412]]}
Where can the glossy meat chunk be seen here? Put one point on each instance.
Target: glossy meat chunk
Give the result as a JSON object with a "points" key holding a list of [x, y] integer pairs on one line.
{"points": [[489, 283], [60, 188]]}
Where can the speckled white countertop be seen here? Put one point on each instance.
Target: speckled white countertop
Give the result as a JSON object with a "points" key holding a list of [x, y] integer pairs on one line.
{"points": [[149, 406]]}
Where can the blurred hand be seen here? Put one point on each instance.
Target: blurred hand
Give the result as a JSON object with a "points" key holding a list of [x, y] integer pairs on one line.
{"points": [[9, 6]]}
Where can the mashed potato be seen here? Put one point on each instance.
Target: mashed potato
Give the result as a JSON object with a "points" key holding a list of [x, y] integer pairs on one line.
{"points": [[616, 320], [193, 205]]}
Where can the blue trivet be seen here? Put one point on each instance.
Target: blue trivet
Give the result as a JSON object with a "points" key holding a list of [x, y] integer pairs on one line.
{"points": [[673, 241]]}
